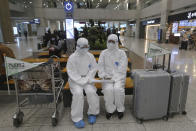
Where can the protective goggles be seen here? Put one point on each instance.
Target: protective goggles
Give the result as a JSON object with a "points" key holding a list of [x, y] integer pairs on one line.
{"points": [[83, 47], [111, 41]]}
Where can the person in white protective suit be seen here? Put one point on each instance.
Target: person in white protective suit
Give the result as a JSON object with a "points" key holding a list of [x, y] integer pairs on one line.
{"points": [[113, 65], [81, 69]]}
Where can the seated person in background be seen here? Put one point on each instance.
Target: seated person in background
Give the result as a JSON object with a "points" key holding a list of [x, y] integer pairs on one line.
{"points": [[81, 69], [54, 46], [113, 66]]}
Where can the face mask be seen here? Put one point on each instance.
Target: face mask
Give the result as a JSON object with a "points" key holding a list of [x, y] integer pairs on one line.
{"points": [[83, 51], [111, 46]]}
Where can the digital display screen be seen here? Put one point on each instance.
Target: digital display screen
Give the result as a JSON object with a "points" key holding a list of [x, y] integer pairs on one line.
{"points": [[15, 30], [36, 21], [69, 28], [183, 23], [187, 23], [175, 28], [177, 34]]}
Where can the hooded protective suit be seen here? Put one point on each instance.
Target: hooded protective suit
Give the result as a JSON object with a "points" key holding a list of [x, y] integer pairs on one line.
{"points": [[113, 65], [81, 69]]}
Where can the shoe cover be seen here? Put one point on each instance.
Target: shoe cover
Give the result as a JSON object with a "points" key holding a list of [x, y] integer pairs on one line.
{"points": [[79, 124], [91, 119]]}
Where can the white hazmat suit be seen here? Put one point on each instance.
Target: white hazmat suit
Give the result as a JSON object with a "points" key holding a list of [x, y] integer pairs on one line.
{"points": [[113, 65], [81, 69]]}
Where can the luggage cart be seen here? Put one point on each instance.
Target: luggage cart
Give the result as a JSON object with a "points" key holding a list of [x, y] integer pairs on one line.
{"points": [[37, 86]]}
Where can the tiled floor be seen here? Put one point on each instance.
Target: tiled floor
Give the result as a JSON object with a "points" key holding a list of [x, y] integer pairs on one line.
{"points": [[38, 119]]}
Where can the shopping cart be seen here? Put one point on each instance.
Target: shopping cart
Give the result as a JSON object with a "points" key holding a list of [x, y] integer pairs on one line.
{"points": [[37, 86]]}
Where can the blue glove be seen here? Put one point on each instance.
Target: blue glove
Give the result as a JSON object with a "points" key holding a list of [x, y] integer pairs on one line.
{"points": [[79, 124], [91, 119]]}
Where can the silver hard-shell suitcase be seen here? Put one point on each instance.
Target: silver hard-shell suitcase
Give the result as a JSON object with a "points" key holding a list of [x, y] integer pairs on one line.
{"points": [[178, 92], [151, 94]]}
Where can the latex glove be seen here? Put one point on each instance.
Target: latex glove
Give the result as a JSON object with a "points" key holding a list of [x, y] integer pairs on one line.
{"points": [[107, 77]]}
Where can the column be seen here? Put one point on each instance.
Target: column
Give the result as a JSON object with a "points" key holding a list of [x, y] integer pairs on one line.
{"points": [[29, 29], [61, 25], [128, 30], [43, 22], [1, 35], [5, 22], [164, 17], [58, 24], [41, 29], [113, 24], [138, 12], [119, 25], [48, 23]]}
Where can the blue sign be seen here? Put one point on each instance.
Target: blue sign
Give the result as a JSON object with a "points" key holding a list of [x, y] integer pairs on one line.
{"points": [[68, 6]]}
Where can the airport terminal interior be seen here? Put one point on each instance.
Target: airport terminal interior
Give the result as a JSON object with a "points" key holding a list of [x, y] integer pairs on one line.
{"points": [[149, 61]]}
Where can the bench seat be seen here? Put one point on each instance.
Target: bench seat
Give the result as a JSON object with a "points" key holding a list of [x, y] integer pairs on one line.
{"points": [[129, 84]]}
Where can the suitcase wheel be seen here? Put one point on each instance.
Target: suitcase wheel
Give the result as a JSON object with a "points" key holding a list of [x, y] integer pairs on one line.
{"points": [[171, 115], [18, 120], [165, 118], [54, 122], [184, 113], [139, 121]]}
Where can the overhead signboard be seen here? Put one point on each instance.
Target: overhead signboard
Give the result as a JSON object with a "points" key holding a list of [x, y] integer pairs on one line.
{"points": [[68, 6], [191, 15], [183, 16], [151, 22]]}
